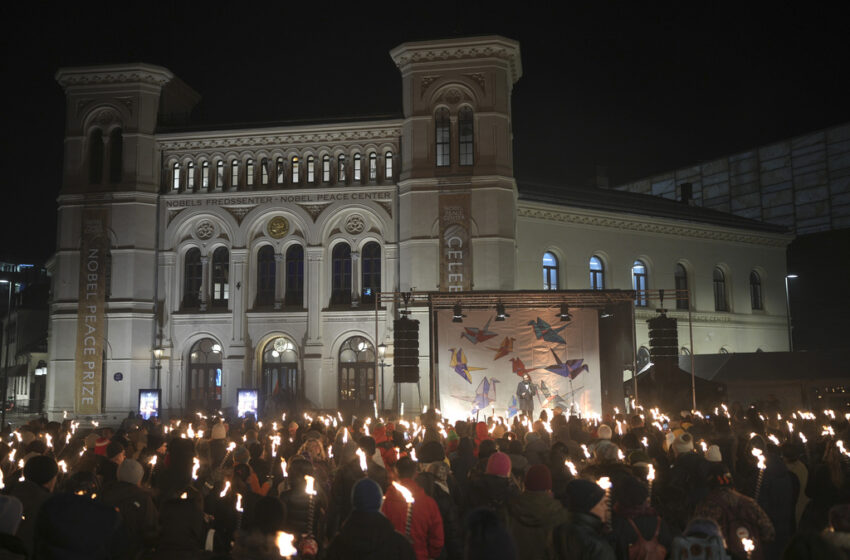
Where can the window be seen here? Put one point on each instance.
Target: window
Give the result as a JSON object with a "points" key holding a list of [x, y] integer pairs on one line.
{"points": [[442, 130], [326, 168], [597, 274], [373, 166], [264, 171], [278, 171], [249, 172], [311, 169], [357, 387], [465, 136], [357, 162], [192, 278], [340, 169], [681, 280], [204, 380], [341, 274], [294, 296], [175, 177], [371, 271], [639, 283], [755, 291], [388, 166], [234, 174], [643, 358], [205, 175], [116, 155], [719, 278], [295, 171], [265, 276], [220, 273], [190, 176], [96, 156], [550, 271], [280, 376], [219, 175]]}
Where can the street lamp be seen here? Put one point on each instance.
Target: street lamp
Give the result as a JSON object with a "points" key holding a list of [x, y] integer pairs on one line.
{"points": [[6, 352], [788, 310], [157, 354], [382, 351]]}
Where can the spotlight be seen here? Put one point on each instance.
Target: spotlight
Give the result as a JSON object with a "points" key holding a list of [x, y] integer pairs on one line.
{"points": [[457, 314], [565, 314], [500, 312]]}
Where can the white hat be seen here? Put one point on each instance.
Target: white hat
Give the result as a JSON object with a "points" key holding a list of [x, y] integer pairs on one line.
{"points": [[604, 431], [713, 454]]}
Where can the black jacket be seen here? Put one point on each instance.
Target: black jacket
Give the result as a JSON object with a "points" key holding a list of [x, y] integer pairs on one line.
{"points": [[453, 543], [580, 539], [137, 511], [369, 536]]}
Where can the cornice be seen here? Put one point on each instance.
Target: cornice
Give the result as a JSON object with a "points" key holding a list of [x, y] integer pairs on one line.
{"points": [[460, 49], [654, 226], [113, 197], [123, 74]]}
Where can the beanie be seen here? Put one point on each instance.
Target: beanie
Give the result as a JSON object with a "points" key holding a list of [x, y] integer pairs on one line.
{"points": [[219, 431], [538, 479], [713, 454], [604, 432], [241, 455], [683, 443], [100, 446], [40, 469], [131, 471], [431, 452], [583, 495], [639, 459], [11, 510], [499, 464], [366, 496], [113, 449]]}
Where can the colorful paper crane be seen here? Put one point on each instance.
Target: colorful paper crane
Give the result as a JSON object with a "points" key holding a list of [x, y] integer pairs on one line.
{"points": [[484, 394], [503, 349], [476, 335], [544, 330], [519, 367], [550, 400], [458, 363], [570, 368], [513, 409]]}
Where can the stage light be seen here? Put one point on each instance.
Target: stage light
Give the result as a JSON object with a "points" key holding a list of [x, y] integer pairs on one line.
{"points": [[500, 312], [457, 314], [565, 314]]}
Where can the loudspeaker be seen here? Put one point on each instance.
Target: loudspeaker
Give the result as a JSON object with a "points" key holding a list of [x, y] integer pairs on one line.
{"points": [[406, 359], [663, 338]]}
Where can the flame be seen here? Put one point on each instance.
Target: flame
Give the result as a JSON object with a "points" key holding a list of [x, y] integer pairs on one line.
{"points": [[2, 483], [572, 467], [225, 490], [12, 455], [63, 466], [239, 503], [284, 544], [362, 455], [231, 447], [749, 546], [704, 446], [49, 440], [184, 496], [604, 483], [67, 438], [20, 463], [650, 476], [283, 467], [773, 438], [758, 454], [645, 442], [153, 461], [586, 452], [413, 455], [196, 465], [408, 497], [802, 437], [344, 436], [309, 490]]}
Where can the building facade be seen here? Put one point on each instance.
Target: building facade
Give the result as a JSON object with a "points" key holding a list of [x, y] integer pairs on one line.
{"points": [[205, 261]]}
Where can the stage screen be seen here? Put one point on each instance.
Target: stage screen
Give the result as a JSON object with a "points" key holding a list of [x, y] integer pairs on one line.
{"points": [[149, 403], [481, 361]]}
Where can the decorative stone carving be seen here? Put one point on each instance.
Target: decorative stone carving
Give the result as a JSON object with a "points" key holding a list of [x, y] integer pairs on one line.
{"points": [[205, 230], [388, 206], [426, 83], [173, 214], [478, 78], [278, 227], [377, 135], [314, 209], [355, 224], [238, 212]]}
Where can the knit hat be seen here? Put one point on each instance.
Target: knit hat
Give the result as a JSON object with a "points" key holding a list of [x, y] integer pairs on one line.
{"points": [[538, 479], [604, 431], [683, 443], [583, 495], [40, 469], [499, 464], [639, 459], [113, 449], [130, 471], [713, 454], [431, 452], [241, 454], [100, 446], [219, 431], [11, 510], [366, 496]]}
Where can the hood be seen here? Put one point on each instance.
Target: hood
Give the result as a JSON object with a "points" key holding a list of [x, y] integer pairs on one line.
{"points": [[536, 509], [481, 432], [364, 533]]}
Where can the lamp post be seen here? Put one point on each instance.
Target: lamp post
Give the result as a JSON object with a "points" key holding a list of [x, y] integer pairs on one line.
{"points": [[788, 310], [157, 354], [382, 351], [11, 286]]}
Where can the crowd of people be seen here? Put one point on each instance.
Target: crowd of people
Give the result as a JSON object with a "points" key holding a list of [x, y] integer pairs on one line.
{"points": [[734, 483]]}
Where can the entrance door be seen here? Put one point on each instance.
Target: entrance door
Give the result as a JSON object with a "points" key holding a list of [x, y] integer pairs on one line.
{"points": [[357, 377], [279, 390], [204, 383]]}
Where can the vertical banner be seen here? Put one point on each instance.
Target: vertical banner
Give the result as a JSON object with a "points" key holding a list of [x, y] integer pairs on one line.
{"points": [[483, 360], [455, 251], [91, 317]]}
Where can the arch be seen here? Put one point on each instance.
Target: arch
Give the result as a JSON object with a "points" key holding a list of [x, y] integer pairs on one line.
{"points": [[465, 135], [294, 265], [331, 222], [721, 296], [681, 281], [356, 375], [756, 296], [341, 273], [640, 282], [279, 362], [596, 266], [370, 271], [204, 375], [96, 149], [442, 137], [266, 276], [183, 225], [116, 154], [551, 271]]}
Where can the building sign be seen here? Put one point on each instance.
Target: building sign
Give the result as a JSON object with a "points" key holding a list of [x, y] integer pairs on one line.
{"points": [[312, 197], [91, 320], [455, 250]]}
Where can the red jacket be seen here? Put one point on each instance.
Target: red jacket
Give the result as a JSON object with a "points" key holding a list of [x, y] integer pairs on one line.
{"points": [[426, 525]]}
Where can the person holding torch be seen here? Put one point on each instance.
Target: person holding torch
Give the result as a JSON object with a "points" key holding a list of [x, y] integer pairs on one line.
{"points": [[426, 525]]}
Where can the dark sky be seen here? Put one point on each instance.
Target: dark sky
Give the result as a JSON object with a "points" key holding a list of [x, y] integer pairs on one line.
{"points": [[639, 90]]}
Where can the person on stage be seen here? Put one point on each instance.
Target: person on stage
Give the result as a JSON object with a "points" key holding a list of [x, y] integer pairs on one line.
{"points": [[525, 392]]}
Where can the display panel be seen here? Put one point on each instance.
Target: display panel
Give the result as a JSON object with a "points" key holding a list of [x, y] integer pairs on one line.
{"points": [[149, 403], [246, 402]]}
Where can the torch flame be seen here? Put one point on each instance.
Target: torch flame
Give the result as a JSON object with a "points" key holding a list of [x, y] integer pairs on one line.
{"points": [[572, 467], [650, 476], [309, 490], [408, 497], [63, 466], [604, 483], [225, 490], [184, 496], [196, 465], [153, 461], [239, 503], [749, 546], [758, 454], [284, 544], [586, 452], [362, 455], [283, 467]]}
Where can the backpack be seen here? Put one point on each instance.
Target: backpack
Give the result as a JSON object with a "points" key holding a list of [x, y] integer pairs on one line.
{"points": [[643, 549], [696, 548]]}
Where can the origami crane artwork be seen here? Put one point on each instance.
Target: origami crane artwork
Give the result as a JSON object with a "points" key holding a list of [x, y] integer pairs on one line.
{"points": [[459, 365], [569, 368], [503, 349], [476, 335], [519, 367], [544, 330]]}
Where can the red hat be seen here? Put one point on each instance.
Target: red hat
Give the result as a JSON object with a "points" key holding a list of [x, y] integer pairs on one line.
{"points": [[499, 464], [100, 446], [538, 479]]}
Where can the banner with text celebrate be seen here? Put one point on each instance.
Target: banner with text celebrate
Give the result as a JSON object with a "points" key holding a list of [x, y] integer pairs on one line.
{"points": [[482, 361], [91, 318]]}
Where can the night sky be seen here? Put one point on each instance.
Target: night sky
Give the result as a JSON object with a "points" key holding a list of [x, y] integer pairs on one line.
{"points": [[637, 90]]}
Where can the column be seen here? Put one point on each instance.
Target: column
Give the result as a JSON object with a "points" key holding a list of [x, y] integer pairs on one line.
{"points": [[205, 281], [279, 281], [313, 286], [238, 289], [355, 279]]}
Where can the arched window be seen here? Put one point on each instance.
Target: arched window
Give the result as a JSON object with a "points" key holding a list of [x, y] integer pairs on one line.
{"points": [[116, 155], [755, 291], [190, 176], [96, 156], [326, 168], [371, 271], [296, 170], [465, 136], [550, 271], [264, 171], [639, 283], [442, 135], [295, 276], [719, 279], [219, 175], [278, 171], [682, 295], [280, 376], [388, 166], [357, 167], [265, 276], [341, 274], [220, 275], [192, 278], [249, 172], [340, 169], [205, 175], [597, 274], [175, 177], [373, 166], [311, 169], [204, 383], [356, 376], [234, 174]]}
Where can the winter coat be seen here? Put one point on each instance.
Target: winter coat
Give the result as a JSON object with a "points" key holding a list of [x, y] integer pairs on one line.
{"points": [[532, 518], [777, 497], [183, 533], [12, 548], [580, 538], [426, 527], [369, 536], [72, 526], [798, 469], [32, 496], [297, 511], [536, 450], [681, 488], [493, 492], [463, 459], [731, 509], [453, 548], [622, 534], [137, 511]]}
